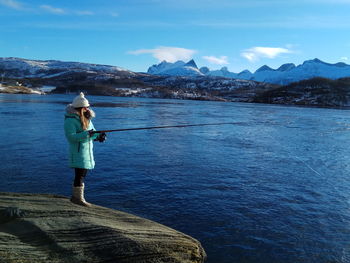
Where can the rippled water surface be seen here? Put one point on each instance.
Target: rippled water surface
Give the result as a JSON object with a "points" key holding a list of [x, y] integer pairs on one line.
{"points": [[273, 187]]}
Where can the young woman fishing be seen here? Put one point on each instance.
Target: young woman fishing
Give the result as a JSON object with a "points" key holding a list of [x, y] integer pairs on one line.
{"points": [[79, 129]]}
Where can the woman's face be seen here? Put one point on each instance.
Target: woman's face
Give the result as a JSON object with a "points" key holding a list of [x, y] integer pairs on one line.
{"points": [[86, 112], [85, 109]]}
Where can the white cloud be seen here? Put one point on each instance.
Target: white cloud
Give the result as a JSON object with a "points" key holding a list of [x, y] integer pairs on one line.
{"points": [[344, 58], [53, 10], [11, 3], [216, 60], [255, 53], [169, 54], [48, 8]]}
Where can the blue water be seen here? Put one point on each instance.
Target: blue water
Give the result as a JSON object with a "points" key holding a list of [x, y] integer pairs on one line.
{"points": [[274, 187]]}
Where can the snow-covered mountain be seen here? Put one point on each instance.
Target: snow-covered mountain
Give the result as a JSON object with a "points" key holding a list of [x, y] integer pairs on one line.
{"points": [[285, 74], [18, 67], [223, 72], [178, 68]]}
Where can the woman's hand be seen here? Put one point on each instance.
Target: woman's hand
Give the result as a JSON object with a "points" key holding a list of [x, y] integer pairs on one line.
{"points": [[91, 133], [87, 114]]}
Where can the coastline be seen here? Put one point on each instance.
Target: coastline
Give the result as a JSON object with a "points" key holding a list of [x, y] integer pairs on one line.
{"points": [[29, 91]]}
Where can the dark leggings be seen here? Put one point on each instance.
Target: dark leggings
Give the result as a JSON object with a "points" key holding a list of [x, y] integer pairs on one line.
{"points": [[80, 174]]}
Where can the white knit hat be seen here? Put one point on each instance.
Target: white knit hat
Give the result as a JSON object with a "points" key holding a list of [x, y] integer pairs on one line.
{"points": [[80, 101]]}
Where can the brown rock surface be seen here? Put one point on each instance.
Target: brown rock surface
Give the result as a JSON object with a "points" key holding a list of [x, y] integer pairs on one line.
{"points": [[49, 228]]}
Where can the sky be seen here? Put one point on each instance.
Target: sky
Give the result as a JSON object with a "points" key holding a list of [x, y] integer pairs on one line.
{"points": [[135, 34]]}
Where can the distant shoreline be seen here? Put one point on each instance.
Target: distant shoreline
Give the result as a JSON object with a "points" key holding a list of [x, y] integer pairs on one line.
{"points": [[12, 90]]}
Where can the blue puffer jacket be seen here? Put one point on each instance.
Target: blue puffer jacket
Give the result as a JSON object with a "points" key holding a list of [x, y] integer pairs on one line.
{"points": [[80, 143]]}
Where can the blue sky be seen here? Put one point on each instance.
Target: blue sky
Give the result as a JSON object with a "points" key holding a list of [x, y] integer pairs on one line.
{"points": [[134, 34]]}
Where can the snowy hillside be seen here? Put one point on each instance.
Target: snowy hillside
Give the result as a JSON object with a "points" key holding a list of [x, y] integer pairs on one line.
{"points": [[285, 74], [17, 67], [317, 92], [220, 88]]}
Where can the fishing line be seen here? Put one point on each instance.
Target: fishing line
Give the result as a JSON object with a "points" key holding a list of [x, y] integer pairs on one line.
{"points": [[312, 169], [208, 124], [295, 156]]}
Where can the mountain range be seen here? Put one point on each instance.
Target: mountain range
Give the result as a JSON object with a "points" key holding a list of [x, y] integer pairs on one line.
{"points": [[285, 74], [72, 77], [182, 80]]}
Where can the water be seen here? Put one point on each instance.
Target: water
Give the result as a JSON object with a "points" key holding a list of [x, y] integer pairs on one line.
{"points": [[274, 187]]}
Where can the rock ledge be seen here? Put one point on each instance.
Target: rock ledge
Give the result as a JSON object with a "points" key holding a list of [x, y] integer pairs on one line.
{"points": [[49, 228]]}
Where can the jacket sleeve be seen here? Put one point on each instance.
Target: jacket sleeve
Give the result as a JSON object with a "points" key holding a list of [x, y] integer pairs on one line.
{"points": [[71, 132], [93, 137]]}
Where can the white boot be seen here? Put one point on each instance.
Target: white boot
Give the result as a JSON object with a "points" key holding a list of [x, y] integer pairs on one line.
{"points": [[78, 196]]}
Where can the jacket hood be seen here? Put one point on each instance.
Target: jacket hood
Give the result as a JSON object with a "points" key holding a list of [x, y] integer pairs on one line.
{"points": [[71, 110]]}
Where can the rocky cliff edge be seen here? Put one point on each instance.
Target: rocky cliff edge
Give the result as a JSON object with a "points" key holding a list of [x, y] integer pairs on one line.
{"points": [[49, 228]]}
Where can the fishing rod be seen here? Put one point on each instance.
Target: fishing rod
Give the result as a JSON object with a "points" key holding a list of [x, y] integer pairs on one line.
{"points": [[164, 127]]}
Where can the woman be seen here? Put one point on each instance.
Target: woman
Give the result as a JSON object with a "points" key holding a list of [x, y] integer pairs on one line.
{"points": [[79, 133]]}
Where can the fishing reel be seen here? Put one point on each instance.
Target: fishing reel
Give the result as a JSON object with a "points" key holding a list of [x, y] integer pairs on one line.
{"points": [[101, 137]]}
